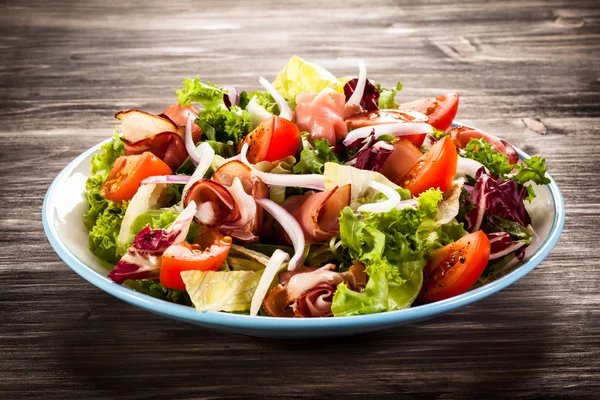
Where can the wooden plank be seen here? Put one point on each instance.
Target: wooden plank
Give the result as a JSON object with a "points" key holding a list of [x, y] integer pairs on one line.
{"points": [[526, 70]]}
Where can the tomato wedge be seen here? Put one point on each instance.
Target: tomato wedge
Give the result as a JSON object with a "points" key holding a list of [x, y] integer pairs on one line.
{"points": [[404, 156], [275, 138], [454, 268], [440, 110], [128, 172], [191, 257], [461, 136], [435, 169]]}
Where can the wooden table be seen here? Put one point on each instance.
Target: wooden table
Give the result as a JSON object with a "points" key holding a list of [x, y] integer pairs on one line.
{"points": [[527, 71]]}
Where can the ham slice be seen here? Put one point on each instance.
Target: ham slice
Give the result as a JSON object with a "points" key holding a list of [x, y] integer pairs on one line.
{"points": [[378, 117], [168, 146], [215, 203], [318, 213], [322, 116], [246, 225], [179, 114], [253, 187], [308, 292]]}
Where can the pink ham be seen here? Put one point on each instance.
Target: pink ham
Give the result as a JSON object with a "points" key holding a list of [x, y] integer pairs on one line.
{"points": [[178, 114], [167, 146], [322, 116], [318, 213]]}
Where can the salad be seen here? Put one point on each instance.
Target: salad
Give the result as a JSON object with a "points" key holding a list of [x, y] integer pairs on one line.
{"points": [[316, 197]]}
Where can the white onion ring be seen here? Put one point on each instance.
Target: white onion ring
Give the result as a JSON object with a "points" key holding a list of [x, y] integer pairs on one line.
{"points": [[166, 179], [205, 157], [284, 108], [291, 227], [308, 181], [393, 199], [466, 166], [271, 270], [191, 148], [397, 129], [359, 91]]}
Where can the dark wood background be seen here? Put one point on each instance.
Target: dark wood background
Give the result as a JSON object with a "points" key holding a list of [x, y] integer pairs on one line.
{"points": [[526, 70]]}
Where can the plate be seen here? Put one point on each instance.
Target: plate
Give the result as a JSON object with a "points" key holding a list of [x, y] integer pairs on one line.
{"points": [[64, 206]]}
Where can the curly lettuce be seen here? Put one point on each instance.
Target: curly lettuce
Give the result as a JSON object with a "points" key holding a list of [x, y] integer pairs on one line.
{"points": [[205, 94], [223, 125], [387, 97], [394, 246], [531, 170], [313, 157]]}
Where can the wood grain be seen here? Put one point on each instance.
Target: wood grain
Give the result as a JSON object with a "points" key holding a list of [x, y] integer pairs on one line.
{"points": [[525, 70]]}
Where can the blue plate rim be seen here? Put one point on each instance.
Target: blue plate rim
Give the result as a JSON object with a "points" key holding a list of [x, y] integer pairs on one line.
{"points": [[253, 323]]}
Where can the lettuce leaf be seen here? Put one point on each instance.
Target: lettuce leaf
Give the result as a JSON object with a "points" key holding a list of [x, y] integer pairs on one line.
{"points": [[158, 291], [263, 99], [531, 170], [205, 94], [300, 76], [102, 238], [109, 152], [104, 217], [221, 290], [394, 246], [223, 125], [387, 97], [313, 157]]}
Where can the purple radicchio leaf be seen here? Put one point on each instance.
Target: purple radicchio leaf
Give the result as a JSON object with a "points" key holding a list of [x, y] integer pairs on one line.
{"points": [[142, 260], [504, 198], [502, 244], [370, 99], [373, 157]]}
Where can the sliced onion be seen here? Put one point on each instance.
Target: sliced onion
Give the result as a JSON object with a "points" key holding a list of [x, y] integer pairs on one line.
{"points": [[407, 203], [166, 179], [291, 227], [357, 96], [257, 112], [429, 141], [308, 181], [233, 96], [191, 148], [205, 155], [467, 166], [398, 130], [284, 108], [417, 116], [272, 269], [393, 199]]}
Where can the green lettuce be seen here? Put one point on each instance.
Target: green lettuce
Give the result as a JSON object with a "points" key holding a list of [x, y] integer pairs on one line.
{"points": [[302, 76], [102, 238], [109, 152], [205, 94], [394, 246], [531, 170], [221, 290], [387, 97], [313, 157], [223, 125], [156, 290], [263, 99], [103, 217]]}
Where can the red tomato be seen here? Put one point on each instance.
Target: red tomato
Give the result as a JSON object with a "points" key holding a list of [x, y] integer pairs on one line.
{"points": [[190, 257], [275, 138], [128, 172], [380, 117], [454, 268], [404, 156], [463, 134], [435, 169], [441, 110]]}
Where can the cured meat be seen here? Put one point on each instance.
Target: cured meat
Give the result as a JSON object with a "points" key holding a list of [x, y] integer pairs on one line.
{"points": [[322, 116], [168, 146]]}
